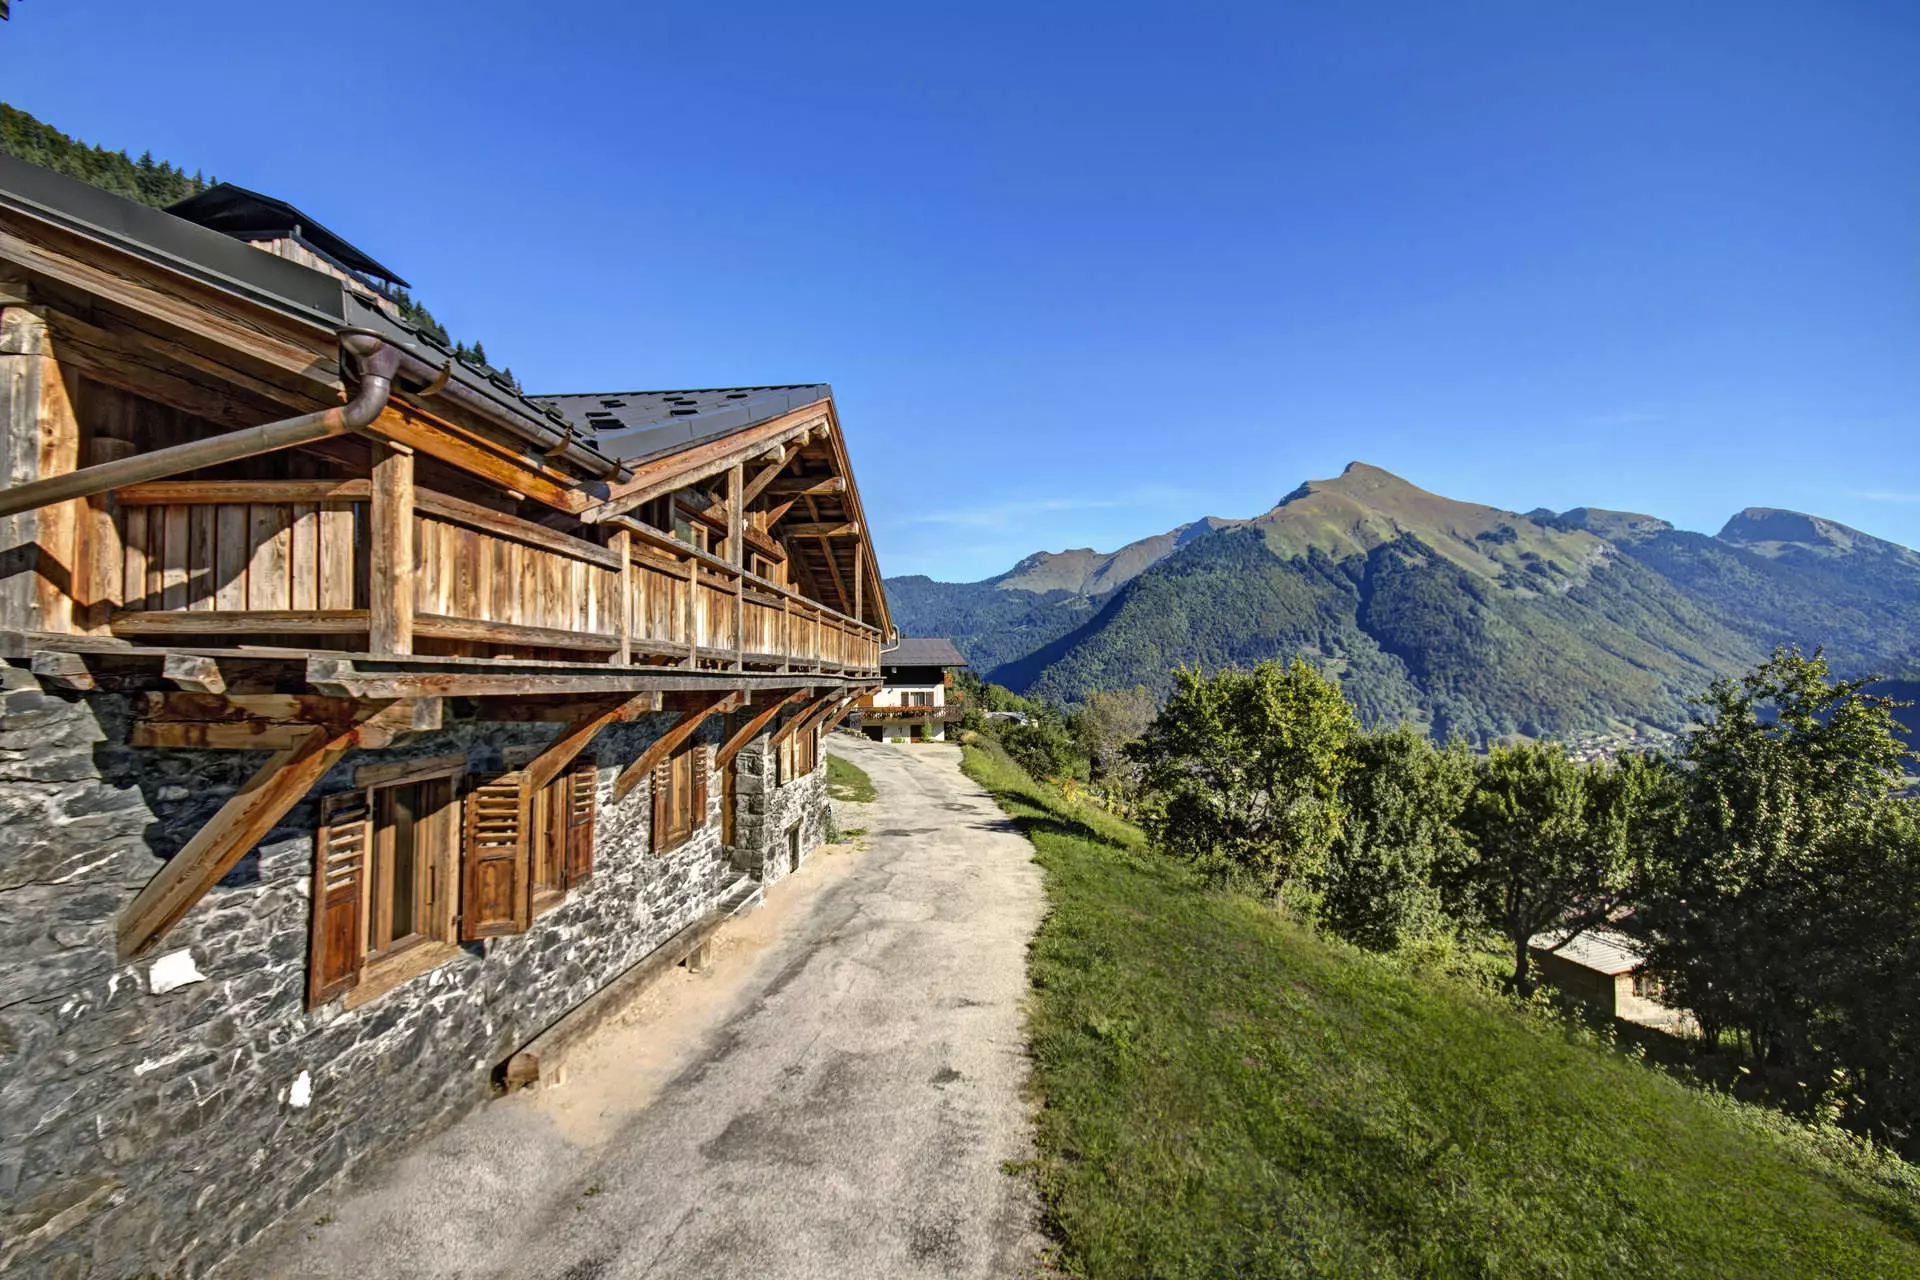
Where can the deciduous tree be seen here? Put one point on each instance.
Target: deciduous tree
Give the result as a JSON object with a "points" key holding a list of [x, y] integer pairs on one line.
{"points": [[1244, 771]]}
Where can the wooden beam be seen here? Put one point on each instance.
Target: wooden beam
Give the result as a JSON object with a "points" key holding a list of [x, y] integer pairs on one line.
{"points": [[776, 463], [241, 823], [438, 438], [737, 552], [552, 762], [307, 622], [67, 670], [702, 462], [833, 708], [826, 553], [746, 732], [826, 529], [440, 627], [812, 709], [533, 534], [194, 673], [201, 492], [808, 486], [715, 517], [666, 743], [621, 544], [390, 625]]}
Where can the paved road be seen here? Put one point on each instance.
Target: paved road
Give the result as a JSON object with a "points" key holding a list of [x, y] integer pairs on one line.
{"points": [[837, 1097]]}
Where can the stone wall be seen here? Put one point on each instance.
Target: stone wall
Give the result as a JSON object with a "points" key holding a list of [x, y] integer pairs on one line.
{"points": [[765, 810], [159, 1114]]}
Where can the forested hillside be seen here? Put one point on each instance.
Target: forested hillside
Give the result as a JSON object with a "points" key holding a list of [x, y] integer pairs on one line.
{"points": [[1465, 619]]}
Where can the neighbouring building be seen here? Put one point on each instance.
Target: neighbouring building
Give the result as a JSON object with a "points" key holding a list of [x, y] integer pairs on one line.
{"points": [[916, 701], [1603, 968], [362, 719]]}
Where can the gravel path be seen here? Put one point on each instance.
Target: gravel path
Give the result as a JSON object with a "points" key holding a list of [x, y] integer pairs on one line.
{"points": [[837, 1096]]}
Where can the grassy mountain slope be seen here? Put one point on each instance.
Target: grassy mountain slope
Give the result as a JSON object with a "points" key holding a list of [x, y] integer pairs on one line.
{"points": [[1462, 617], [992, 627], [1468, 619], [1224, 1094], [1086, 572]]}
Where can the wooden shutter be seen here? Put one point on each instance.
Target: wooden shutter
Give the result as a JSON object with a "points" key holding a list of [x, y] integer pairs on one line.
{"points": [[339, 884], [698, 818], [496, 880], [662, 805], [582, 784]]}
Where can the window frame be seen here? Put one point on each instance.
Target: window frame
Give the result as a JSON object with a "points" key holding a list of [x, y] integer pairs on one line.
{"points": [[380, 962], [667, 831]]}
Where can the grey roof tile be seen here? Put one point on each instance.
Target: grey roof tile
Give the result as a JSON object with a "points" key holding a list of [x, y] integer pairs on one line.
{"points": [[634, 426]]}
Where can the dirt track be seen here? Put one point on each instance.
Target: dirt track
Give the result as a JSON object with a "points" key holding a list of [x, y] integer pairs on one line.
{"points": [[836, 1097]]}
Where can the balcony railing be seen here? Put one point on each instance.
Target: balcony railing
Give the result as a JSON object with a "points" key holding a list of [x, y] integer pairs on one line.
{"points": [[296, 559], [914, 715]]}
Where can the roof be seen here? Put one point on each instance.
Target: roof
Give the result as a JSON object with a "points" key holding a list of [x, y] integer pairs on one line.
{"points": [[634, 426], [248, 215], [205, 255], [915, 652], [1602, 950]]}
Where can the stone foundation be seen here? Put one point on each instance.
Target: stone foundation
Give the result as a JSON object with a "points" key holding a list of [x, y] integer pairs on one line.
{"points": [[160, 1114]]}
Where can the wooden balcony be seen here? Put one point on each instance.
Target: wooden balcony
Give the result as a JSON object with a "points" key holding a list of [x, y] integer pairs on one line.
{"points": [[304, 562], [907, 715]]}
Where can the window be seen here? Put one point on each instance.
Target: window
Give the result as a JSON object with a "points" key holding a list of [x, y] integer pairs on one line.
{"points": [[679, 796], [383, 886], [918, 698], [561, 821], [799, 755], [412, 862]]}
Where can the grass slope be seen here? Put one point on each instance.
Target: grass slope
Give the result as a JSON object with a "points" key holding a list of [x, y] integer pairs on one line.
{"points": [[1227, 1095], [848, 781]]}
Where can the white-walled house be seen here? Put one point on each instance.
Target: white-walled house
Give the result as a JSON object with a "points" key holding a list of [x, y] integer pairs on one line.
{"points": [[916, 700]]}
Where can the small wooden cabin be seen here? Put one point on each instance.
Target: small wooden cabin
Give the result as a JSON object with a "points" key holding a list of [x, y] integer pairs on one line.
{"points": [[363, 718]]}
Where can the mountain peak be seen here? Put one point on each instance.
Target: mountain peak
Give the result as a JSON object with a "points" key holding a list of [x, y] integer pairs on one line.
{"points": [[1776, 531]]}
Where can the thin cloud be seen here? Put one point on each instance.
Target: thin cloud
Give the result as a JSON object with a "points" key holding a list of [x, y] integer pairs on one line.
{"points": [[1887, 495]]}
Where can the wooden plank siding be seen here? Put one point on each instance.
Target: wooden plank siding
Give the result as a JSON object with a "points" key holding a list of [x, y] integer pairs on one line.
{"points": [[481, 580]]}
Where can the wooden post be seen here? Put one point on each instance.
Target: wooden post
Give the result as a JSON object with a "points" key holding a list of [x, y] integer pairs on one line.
{"points": [[38, 548], [786, 634], [737, 553], [859, 579], [104, 564], [693, 611], [621, 544], [390, 629]]}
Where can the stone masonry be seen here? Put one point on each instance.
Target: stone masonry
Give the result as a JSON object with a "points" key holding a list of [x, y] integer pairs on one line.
{"points": [[766, 811], [157, 1115]]}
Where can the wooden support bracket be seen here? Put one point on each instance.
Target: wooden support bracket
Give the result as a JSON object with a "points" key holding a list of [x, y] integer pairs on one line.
{"points": [[552, 762], [811, 710], [241, 823], [193, 673], [746, 732], [664, 745], [67, 670]]}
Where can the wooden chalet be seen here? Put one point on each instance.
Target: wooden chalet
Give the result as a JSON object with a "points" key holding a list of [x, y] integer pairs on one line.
{"points": [[917, 699], [366, 720]]}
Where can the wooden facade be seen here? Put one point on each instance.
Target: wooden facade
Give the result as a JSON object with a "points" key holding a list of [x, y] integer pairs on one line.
{"points": [[322, 587]]}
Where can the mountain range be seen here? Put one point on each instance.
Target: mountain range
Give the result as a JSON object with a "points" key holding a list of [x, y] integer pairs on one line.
{"points": [[1465, 619]]}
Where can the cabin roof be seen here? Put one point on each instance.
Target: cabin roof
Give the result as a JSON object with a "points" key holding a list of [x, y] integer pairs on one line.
{"points": [[1602, 950], [914, 651], [634, 426], [249, 215]]}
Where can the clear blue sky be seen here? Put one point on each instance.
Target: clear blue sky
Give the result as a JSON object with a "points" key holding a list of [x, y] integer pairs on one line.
{"points": [[1081, 272]]}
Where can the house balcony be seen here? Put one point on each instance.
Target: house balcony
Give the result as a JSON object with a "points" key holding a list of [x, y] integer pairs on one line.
{"points": [[309, 564], [909, 715]]}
